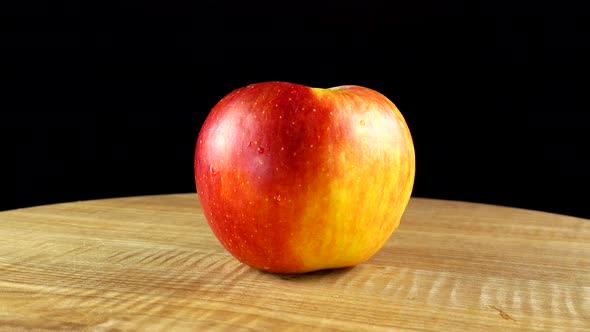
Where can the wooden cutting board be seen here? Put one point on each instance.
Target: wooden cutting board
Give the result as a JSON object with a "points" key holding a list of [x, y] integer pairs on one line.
{"points": [[152, 264]]}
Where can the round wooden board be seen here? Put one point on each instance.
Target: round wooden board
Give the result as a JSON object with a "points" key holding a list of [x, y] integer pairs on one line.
{"points": [[151, 263]]}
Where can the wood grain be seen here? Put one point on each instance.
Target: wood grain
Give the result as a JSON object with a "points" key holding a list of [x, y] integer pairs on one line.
{"points": [[152, 264]]}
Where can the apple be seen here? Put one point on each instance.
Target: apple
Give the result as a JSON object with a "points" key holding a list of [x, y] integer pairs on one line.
{"points": [[294, 179]]}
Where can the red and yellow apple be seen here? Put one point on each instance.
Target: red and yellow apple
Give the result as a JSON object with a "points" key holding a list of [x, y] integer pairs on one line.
{"points": [[294, 179]]}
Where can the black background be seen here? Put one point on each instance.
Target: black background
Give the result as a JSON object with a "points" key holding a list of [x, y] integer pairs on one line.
{"points": [[109, 102]]}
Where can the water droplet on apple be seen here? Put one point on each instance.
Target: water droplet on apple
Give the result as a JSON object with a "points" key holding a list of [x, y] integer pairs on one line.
{"points": [[249, 143], [213, 170], [260, 150], [362, 122], [278, 198]]}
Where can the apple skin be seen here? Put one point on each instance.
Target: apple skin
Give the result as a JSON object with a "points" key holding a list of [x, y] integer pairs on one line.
{"points": [[294, 179]]}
